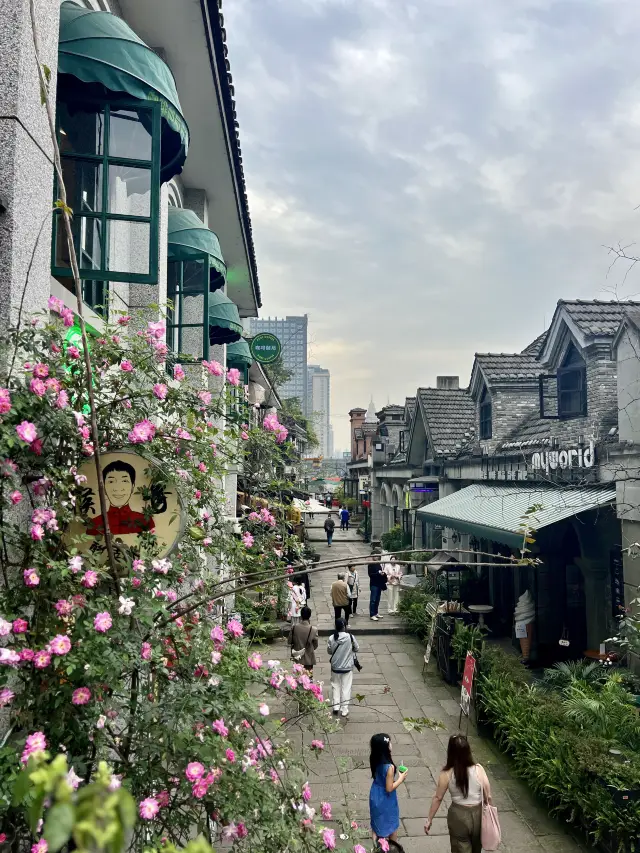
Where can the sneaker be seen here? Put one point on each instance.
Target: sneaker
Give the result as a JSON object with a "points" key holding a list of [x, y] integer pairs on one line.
{"points": [[373, 618], [345, 713], [380, 616]]}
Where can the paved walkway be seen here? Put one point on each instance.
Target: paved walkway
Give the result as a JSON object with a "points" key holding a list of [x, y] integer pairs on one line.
{"points": [[394, 688]]}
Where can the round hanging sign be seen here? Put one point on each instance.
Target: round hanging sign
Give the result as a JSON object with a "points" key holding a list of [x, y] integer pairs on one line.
{"points": [[126, 477], [265, 347]]}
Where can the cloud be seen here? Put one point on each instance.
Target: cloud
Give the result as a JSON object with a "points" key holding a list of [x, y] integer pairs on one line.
{"points": [[428, 179]]}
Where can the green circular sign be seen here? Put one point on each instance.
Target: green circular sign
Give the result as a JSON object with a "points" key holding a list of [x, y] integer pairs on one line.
{"points": [[265, 348]]}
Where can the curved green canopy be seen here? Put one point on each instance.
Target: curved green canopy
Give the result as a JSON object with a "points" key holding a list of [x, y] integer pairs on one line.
{"points": [[225, 326], [188, 238], [239, 354], [100, 48]]}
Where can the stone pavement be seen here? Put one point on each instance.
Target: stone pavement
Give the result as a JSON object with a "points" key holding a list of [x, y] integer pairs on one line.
{"points": [[394, 687]]}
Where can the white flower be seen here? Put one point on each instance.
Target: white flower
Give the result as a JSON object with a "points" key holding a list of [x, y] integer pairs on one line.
{"points": [[101, 721], [5, 627], [161, 566], [115, 783], [214, 681], [73, 780], [273, 664], [126, 605]]}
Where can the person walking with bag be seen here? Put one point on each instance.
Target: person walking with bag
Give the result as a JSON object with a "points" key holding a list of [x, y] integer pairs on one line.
{"points": [[471, 805], [304, 641], [342, 647], [329, 527], [353, 582]]}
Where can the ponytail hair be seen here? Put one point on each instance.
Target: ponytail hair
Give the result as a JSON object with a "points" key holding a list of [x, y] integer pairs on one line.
{"points": [[340, 626]]}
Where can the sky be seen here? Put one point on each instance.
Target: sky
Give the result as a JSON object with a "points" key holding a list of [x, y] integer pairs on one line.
{"points": [[426, 179]]}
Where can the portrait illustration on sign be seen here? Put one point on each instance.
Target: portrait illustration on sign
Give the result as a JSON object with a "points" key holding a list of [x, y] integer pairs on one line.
{"points": [[136, 504]]}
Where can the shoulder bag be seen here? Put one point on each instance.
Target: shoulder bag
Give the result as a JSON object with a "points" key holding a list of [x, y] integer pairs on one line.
{"points": [[298, 654], [490, 832], [356, 662]]}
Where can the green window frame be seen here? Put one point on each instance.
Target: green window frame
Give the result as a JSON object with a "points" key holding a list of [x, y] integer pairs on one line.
{"points": [[185, 279], [94, 223]]}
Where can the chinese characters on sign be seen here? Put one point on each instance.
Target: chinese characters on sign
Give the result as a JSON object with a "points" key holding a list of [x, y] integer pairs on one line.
{"points": [[136, 504], [265, 347]]}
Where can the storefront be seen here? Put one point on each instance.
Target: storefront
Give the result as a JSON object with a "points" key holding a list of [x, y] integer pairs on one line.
{"points": [[564, 537]]}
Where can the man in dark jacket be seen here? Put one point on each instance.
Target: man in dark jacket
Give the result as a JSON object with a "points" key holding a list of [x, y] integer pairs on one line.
{"points": [[329, 527], [377, 583]]}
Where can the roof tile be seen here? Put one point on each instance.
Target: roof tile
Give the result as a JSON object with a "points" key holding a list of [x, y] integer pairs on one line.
{"points": [[450, 415], [498, 367]]}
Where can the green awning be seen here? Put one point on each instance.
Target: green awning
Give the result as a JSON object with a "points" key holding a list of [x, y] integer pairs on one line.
{"points": [[188, 238], [225, 326], [101, 49], [239, 354], [496, 512]]}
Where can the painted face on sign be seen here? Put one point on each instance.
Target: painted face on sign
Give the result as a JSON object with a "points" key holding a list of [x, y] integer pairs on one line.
{"points": [[119, 488]]}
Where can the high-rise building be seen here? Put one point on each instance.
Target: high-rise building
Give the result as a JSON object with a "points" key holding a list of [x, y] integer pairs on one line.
{"points": [[292, 334], [319, 408]]}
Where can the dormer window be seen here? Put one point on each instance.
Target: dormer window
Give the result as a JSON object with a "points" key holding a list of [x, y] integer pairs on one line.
{"points": [[485, 415], [572, 385]]}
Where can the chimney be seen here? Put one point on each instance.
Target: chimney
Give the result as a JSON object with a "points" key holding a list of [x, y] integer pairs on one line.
{"points": [[448, 382]]}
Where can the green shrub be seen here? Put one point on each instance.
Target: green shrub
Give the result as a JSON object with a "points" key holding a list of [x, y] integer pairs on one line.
{"points": [[466, 638], [396, 539], [566, 758], [413, 609]]}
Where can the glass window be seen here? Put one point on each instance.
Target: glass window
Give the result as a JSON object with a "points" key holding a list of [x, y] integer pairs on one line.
{"points": [[486, 426], [188, 309], [572, 385], [111, 169]]}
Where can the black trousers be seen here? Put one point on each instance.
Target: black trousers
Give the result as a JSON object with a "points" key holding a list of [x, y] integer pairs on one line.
{"points": [[354, 605], [338, 612]]}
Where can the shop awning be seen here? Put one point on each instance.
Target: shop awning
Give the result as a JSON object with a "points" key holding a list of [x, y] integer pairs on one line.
{"points": [[495, 512], [239, 354], [189, 238], [101, 49], [225, 326]]}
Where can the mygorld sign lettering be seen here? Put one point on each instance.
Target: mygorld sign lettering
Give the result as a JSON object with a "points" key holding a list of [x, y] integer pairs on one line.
{"points": [[574, 457]]}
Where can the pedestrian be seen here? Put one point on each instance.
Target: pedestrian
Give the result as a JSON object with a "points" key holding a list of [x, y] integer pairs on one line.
{"points": [[304, 640], [340, 598], [353, 582], [307, 503], [341, 647], [344, 518], [297, 599], [383, 799], [329, 527], [394, 575], [467, 782], [377, 583]]}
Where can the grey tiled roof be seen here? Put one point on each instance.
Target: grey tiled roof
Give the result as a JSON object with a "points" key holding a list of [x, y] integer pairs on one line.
{"points": [[533, 429], [410, 407], [450, 415], [597, 318], [505, 366], [535, 347]]}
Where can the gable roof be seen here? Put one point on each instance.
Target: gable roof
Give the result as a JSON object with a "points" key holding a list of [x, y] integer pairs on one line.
{"points": [[449, 414], [593, 317], [409, 408], [502, 366], [535, 347]]}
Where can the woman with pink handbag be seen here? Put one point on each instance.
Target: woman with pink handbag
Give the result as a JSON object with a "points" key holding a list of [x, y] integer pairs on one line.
{"points": [[472, 819]]}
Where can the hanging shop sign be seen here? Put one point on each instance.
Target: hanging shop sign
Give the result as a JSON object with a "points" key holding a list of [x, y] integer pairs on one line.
{"points": [[617, 582], [136, 505], [265, 347], [572, 464], [467, 683]]}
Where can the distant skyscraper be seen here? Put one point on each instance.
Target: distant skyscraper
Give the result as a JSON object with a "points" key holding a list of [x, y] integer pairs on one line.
{"points": [[292, 333], [319, 410]]}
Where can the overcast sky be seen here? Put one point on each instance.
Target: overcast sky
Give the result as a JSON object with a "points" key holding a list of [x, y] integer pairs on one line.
{"points": [[426, 179]]}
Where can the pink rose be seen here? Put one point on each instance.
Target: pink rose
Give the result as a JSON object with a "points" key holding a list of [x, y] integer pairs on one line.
{"points": [[5, 401], [233, 376], [60, 645], [329, 838], [126, 365], [62, 400], [41, 659], [219, 728], [37, 387], [103, 622], [89, 579], [160, 390], [81, 696], [178, 372], [235, 628], [15, 497], [20, 626], [194, 771], [73, 352], [142, 431], [27, 432], [145, 651], [214, 367], [149, 808], [31, 577]]}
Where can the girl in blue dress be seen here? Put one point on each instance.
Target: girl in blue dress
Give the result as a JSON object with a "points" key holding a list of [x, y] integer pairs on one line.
{"points": [[383, 799]]}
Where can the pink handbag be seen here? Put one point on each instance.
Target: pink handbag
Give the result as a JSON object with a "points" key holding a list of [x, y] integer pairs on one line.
{"points": [[490, 832]]}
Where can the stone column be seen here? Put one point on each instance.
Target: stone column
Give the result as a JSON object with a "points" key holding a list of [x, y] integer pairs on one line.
{"points": [[26, 157]]}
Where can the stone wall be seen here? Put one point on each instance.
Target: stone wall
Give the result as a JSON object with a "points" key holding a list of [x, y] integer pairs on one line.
{"points": [[510, 406]]}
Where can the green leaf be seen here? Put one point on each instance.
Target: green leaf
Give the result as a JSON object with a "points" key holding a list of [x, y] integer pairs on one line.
{"points": [[127, 808], [360, 697], [21, 787], [58, 826]]}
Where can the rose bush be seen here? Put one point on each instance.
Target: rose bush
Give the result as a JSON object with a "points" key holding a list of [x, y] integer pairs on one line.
{"points": [[127, 659]]}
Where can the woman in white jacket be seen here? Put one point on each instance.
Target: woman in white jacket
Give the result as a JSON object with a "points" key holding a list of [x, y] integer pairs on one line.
{"points": [[341, 648]]}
